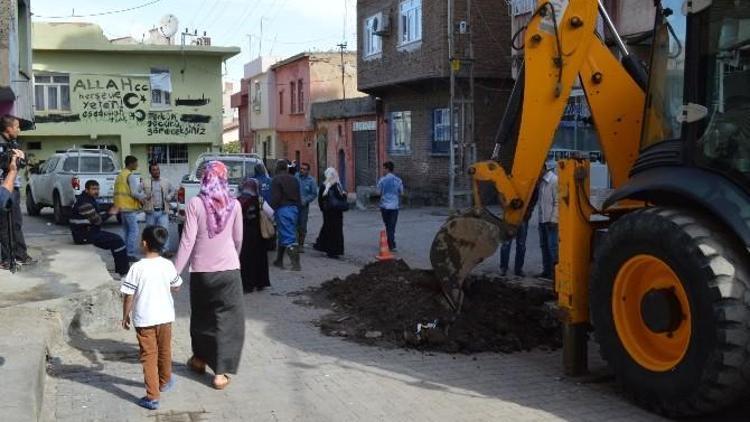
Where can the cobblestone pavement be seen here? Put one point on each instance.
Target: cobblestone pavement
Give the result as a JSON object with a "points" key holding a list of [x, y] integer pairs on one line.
{"points": [[290, 372]]}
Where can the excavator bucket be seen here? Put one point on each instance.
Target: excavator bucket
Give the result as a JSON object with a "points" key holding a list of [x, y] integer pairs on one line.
{"points": [[462, 243]]}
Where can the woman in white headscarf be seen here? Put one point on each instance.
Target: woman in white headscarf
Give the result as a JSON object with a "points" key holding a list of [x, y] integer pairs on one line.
{"points": [[333, 202]]}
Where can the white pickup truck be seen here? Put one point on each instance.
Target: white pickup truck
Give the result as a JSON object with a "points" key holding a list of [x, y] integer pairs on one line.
{"points": [[239, 167], [57, 181]]}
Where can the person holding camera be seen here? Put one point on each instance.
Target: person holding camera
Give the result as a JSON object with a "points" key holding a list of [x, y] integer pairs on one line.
{"points": [[11, 225]]}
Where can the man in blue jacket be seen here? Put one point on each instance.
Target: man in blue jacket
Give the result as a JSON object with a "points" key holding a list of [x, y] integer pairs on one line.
{"points": [[308, 192], [86, 226]]}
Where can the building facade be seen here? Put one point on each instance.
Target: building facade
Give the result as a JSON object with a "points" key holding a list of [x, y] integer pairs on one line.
{"points": [[346, 135], [262, 100], [405, 61], [300, 81], [160, 103], [15, 60]]}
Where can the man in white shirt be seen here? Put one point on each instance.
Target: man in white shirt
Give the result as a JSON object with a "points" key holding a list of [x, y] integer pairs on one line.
{"points": [[548, 218]]}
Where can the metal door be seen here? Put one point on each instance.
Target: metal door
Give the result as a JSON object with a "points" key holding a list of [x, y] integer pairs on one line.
{"points": [[365, 158]]}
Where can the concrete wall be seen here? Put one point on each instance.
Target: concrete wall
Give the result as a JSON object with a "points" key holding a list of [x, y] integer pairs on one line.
{"points": [[110, 94], [15, 56], [266, 144], [262, 101]]}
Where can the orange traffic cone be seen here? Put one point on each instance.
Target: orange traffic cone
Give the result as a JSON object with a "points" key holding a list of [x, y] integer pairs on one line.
{"points": [[385, 253]]}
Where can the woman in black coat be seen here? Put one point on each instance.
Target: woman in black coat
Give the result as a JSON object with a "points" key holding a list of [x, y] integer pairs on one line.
{"points": [[332, 200], [253, 257]]}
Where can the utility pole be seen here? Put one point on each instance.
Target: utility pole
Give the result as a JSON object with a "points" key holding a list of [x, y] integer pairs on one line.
{"points": [[461, 112], [342, 48], [260, 42], [249, 46]]}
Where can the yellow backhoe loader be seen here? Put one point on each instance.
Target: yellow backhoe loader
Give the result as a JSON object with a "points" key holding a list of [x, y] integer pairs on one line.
{"points": [[662, 271]]}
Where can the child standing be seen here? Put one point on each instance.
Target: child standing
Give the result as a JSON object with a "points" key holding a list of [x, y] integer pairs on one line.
{"points": [[147, 289]]}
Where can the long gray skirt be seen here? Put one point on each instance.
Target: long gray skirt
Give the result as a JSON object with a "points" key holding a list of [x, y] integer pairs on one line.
{"points": [[217, 319]]}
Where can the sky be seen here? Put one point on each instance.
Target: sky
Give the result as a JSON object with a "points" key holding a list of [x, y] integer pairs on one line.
{"points": [[289, 26]]}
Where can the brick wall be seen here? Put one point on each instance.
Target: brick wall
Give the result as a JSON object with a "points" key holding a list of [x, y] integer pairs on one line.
{"points": [[426, 174], [429, 58]]}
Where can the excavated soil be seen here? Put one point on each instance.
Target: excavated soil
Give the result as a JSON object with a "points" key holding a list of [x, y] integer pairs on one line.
{"points": [[390, 304]]}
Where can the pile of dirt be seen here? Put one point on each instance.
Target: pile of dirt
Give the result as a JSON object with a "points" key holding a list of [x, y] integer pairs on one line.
{"points": [[388, 303]]}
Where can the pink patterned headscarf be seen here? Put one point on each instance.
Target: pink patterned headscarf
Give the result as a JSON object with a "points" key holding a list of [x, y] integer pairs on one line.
{"points": [[216, 198]]}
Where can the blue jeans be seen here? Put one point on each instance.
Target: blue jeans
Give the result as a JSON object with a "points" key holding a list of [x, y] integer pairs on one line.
{"points": [[158, 218], [130, 232], [520, 240], [286, 224], [548, 241], [390, 218]]}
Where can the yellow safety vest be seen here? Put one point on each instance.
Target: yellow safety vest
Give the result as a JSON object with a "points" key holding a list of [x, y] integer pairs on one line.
{"points": [[123, 197]]}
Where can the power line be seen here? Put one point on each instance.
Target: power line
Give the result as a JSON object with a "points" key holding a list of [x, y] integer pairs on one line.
{"points": [[109, 12]]}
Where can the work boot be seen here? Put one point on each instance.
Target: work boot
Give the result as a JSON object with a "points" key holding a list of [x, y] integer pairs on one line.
{"points": [[294, 257], [280, 251], [302, 235]]}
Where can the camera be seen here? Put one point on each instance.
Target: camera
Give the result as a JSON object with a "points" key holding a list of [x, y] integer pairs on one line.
{"points": [[6, 155]]}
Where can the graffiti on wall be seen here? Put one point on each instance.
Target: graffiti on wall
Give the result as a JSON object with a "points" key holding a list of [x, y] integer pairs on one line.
{"points": [[174, 124], [123, 100], [127, 101]]}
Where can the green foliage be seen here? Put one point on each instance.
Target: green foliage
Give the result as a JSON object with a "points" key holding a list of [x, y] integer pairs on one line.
{"points": [[232, 147]]}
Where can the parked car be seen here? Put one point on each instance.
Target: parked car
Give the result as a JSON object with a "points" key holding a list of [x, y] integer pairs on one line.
{"points": [[239, 167], [57, 181]]}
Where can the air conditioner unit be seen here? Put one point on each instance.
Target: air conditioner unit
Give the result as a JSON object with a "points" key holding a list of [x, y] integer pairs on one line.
{"points": [[382, 24]]}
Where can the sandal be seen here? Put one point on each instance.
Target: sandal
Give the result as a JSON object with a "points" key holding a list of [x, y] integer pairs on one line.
{"points": [[196, 365], [222, 385]]}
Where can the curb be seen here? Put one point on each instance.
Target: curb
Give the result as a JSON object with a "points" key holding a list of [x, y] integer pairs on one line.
{"points": [[30, 332]]}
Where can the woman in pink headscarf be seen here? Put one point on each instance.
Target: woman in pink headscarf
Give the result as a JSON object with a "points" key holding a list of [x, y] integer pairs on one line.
{"points": [[211, 243]]}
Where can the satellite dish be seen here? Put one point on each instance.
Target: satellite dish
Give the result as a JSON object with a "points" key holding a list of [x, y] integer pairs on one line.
{"points": [[168, 25]]}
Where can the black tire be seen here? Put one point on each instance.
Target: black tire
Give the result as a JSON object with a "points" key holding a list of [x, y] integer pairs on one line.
{"points": [[61, 213], [712, 268], [32, 208]]}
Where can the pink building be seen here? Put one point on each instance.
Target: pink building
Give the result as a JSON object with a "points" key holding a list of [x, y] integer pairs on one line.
{"points": [[348, 132], [300, 81]]}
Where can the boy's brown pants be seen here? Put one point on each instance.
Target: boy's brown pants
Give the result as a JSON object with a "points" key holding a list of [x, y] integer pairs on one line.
{"points": [[156, 357]]}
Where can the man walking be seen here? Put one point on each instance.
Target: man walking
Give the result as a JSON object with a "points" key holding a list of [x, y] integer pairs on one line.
{"points": [[520, 239], [391, 188], [129, 199], [309, 193], [86, 226], [10, 128], [285, 200], [159, 193], [548, 218]]}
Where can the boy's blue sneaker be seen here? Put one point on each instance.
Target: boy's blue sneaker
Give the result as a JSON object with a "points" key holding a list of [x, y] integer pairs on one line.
{"points": [[169, 386], [148, 404]]}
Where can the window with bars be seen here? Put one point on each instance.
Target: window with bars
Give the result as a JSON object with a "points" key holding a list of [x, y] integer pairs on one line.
{"points": [[441, 126], [300, 96], [373, 43], [410, 28], [161, 89], [168, 153], [293, 97], [400, 126], [52, 92]]}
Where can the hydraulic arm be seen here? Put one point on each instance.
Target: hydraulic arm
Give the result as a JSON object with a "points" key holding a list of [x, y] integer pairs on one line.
{"points": [[561, 50]]}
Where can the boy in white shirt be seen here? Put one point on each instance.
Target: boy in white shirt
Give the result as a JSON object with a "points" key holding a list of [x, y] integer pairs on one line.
{"points": [[147, 289]]}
